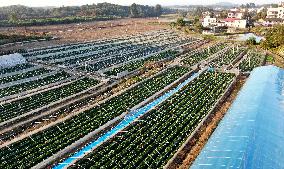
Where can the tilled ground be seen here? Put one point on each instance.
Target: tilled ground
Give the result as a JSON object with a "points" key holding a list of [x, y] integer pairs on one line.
{"points": [[72, 33]]}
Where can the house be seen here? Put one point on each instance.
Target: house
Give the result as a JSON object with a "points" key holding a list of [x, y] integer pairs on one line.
{"points": [[235, 23], [272, 21], [207, 21], [281, 4], [206, 13], [275, 12], [235, 14]]}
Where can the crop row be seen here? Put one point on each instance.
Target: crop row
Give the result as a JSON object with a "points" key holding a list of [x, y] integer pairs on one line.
{"points": [[133, 65], [65, 110], [226, 58], [124, 57], [123, 51], [30, 151], [21, 76], [68, 53], [252, 61], [197, 56], [118, 59], [79, 46], [99, 50], [101, 54], [24, 105], [33, 84], [16, 68], [153, 139]]}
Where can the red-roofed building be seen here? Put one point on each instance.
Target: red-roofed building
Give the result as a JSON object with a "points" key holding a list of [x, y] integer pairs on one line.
{"points": [[235, 22]]}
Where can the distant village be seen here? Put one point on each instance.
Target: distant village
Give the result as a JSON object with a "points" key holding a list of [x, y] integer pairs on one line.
{"points": [[242, 17]]}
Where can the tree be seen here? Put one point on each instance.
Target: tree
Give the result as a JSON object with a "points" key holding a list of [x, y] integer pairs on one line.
{"points": [[262, 14], [246, 15], [134, 11], [13, 18], [158, 9], [224, 14], [180, 22], [198, 27], [251, 41], [274, 37]]}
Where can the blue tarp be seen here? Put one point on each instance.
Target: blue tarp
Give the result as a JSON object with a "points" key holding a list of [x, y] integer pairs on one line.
{"points": [[251, 135]]}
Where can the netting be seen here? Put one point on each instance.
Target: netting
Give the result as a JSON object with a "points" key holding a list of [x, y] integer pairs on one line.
{"points": [[11, 60]]}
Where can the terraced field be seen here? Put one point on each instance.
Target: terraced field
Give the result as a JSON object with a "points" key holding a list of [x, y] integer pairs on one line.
{"points": [[65, 93], [227, 58], [252, 61], [139, 63], [24, 105], [153, 139], [16, 68], [33, 150], [192, 59], [15, 89]]}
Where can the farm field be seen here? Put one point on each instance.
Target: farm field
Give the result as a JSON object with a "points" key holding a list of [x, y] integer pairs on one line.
{"points": [[68, 94], [153, 140], [252, 61]]}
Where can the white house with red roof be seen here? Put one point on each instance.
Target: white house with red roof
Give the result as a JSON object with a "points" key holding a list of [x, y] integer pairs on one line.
{"points": [[235, 22]]}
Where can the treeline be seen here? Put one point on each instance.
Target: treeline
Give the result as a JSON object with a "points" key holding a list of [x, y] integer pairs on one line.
{"points": [[51, 21], [22, 15]]}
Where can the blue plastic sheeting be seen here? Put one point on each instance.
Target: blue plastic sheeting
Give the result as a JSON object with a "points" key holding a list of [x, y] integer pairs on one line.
{"points": [[251, 135], [244, 37], [131, 117]]}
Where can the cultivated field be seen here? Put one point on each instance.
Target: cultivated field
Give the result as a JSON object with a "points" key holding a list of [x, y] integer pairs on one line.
{"points": [[129, 98]]}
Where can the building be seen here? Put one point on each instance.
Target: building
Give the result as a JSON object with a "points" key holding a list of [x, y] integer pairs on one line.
{"points": [[281, 4], [207, 21], [275, 12], [272, 21], [235, 23], [206, 13], [235, 14]]}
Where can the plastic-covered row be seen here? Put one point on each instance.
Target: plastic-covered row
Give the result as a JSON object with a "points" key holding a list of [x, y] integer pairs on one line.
{"points": [[251, 135]]}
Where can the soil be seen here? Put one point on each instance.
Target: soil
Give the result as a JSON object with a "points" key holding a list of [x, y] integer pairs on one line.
{"points": [[72, 33]]}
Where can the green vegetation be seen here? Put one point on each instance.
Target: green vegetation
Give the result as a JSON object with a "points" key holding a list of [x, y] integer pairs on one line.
{"points": [[251, 41], [269, 59], [16, 68], [226, 58], [152, 141], [32, 150], [33, 84], [52, 21], [193, 25], [192, 59], [252, 60], [274, 37], [26, 16], [139, 63], [24, 105], [4, 39], [21, 76]]}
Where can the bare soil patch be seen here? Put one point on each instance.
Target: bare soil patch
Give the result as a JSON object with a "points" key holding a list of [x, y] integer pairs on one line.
{"points": [[72, 33]]}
